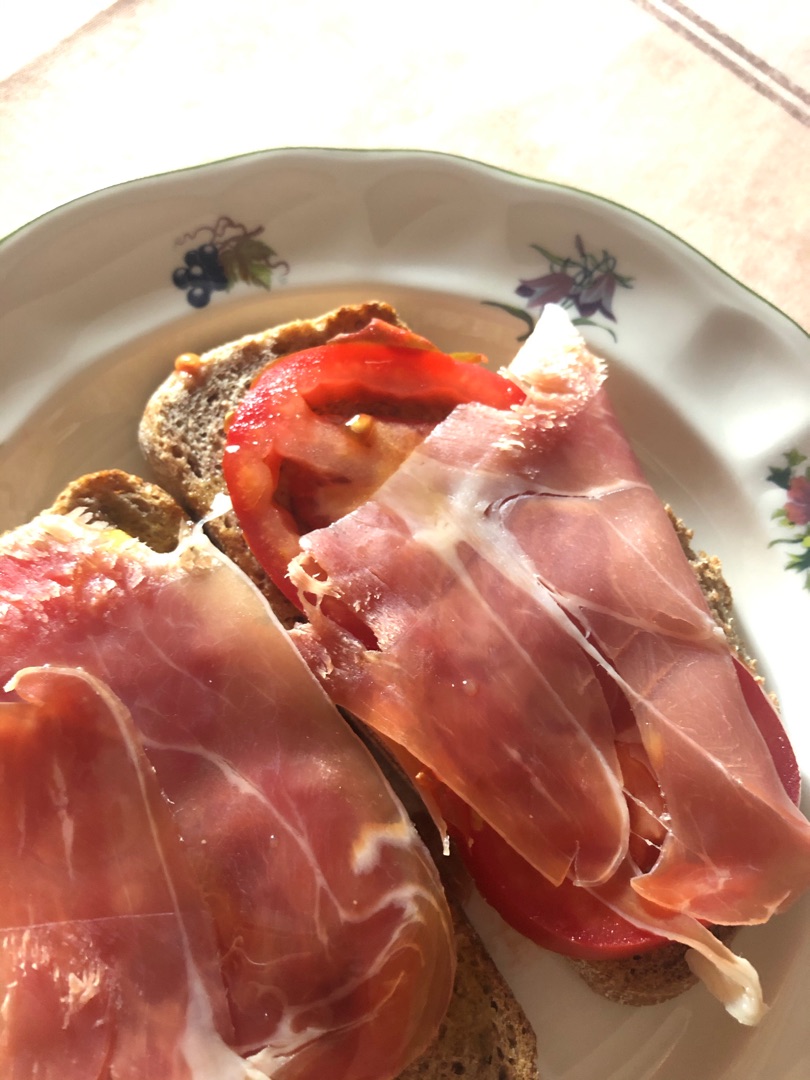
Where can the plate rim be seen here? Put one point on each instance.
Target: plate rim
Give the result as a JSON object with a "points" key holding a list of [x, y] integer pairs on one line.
{"points": [[454, 159]]}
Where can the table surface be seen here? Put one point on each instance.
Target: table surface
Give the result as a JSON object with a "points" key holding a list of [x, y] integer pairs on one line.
{"points": [[698, 118]]}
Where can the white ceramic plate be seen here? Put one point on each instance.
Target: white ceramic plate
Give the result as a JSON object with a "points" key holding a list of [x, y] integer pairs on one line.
{"points": [[713, 384]]}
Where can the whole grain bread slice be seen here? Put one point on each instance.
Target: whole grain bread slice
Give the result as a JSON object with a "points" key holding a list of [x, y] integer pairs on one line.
{"points": [[182, 436], [129, 503], [485, 1033], [182, 431]]}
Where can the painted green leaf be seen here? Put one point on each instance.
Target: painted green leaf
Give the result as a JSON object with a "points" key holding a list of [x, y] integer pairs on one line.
{"points": [[552, 258], [581, 320], [248, 260], [518, 313], [780, 477]]}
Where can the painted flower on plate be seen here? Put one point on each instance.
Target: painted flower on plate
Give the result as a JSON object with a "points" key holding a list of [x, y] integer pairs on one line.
{"points": [[797, 507], [794, 514], [584, 282], [548, 289], [597, 297]]}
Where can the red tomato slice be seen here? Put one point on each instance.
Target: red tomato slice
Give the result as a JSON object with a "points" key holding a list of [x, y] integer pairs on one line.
{"points": [[568, 919], [563, 918], [770, 727], [322, 429]]}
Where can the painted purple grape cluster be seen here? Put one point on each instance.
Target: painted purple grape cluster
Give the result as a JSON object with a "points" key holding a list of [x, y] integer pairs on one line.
{"points": [[201, 275]]}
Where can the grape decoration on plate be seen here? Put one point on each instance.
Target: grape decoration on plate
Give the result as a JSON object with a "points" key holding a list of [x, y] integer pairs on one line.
{"points": [[229, 253]]}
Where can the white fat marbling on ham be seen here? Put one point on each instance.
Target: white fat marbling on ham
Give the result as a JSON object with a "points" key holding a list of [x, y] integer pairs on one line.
{"points": [[90, 960], [330, 966], [512, 551]]}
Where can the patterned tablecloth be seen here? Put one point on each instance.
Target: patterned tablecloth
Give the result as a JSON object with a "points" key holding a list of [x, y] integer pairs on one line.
{"points": [[696, 117]]}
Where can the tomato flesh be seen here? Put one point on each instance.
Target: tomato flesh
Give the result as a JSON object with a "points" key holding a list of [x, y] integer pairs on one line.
{"points": [[563, 918], [568, 919], [321, 430], [772, 732]]}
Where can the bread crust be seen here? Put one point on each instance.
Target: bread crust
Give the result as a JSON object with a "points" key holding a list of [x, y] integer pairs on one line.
{"points": [[141, 509], [485, 1034], [182, 415]]}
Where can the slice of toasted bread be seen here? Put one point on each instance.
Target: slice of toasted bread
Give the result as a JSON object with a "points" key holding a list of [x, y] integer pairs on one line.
{"points": [[141, 509], [485, 1033], [182, 432], [182, 437]]}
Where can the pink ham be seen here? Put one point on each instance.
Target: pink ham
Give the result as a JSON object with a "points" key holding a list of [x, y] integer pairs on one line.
{"points": [[507, 543], [460, 626], [101, 974], [737, 849], [334, 940]]}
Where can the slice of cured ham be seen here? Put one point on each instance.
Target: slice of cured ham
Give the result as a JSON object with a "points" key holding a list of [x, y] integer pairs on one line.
{"points": [[506, 544], [102, 973], [334, 940]]}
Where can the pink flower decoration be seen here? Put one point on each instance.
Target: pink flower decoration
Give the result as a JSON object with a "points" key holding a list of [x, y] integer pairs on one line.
{"points": [[797, 507], [548, 289], [597, 296]]}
